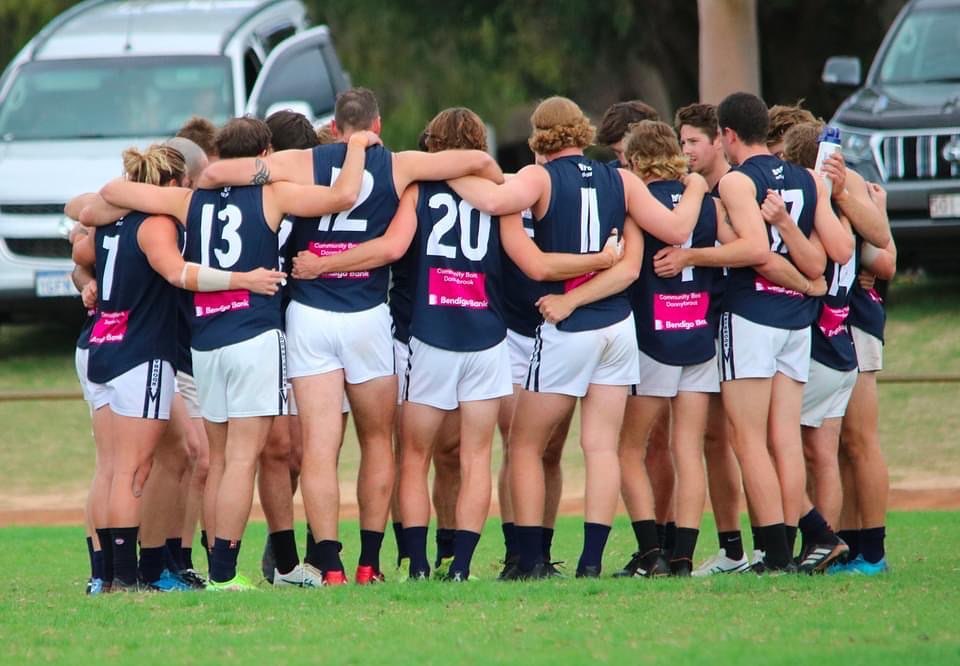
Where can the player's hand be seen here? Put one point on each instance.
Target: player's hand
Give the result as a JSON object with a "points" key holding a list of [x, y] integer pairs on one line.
{"points": [[307, 265], [367, 138], [669, 261], [89, 295], [817, 287], [695, 182], [264, 281], [835, 169], [878, 194], [866, 279], [773, 210], [612, 249], [555, 307]]}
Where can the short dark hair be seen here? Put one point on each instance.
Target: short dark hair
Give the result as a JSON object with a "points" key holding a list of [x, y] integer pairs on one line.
{"points": [[356, 109], [800, 143], [243, 137], [202, 132], [620, 116], [701, 116], [745, 114], [291, 130]]}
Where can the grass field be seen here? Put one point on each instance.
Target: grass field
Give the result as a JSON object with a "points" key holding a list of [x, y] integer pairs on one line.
{"points": [[909, 615]]}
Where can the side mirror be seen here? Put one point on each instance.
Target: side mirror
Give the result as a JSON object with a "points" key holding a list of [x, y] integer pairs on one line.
{"points": [[842, 71], [297, 105]]}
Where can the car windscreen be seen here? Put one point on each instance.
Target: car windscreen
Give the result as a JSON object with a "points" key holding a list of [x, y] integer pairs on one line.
{"points": [[114, 97], [925, 48]]}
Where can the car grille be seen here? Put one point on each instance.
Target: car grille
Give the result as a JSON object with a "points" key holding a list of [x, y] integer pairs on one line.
{"points": [[32, 209], [917, 157], [46, 248]]}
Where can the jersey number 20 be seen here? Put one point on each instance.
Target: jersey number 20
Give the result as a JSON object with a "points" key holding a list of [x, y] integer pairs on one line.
{"points": [[465, 214]]}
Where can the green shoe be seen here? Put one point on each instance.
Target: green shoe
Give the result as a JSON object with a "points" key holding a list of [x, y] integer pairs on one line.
{"points": [[238, 583]]}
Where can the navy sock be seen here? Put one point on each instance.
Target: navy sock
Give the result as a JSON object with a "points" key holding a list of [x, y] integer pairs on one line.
{"points": [[791, 532], [186, 557], [594, 541], [98, 564], [325, 555], [106, 552], [172, 555], [90, 556], [464, 544], [776, 551], [223, 560], [284, 545], [509, 540], [815, 529], [398, 535], [685, 544], [415, 540], [670, 536], [756, 534], [445, 543], [872, 544], [151, 563], [370, 543], [529, 546], [661, 534], [546, 539], [124, 540], [646, 533], [852, 539], [732, 544]]}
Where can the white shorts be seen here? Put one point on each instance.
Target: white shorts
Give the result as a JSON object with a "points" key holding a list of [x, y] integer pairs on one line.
{"points": [[322, 341], [869, 350], [665, 381], [292, 404], [521, 349], [567, 363], [750, 351], [187, 388], [443, 379], [241, 380], [401, 352], [80, 358], [826, 394], [144, 392]]}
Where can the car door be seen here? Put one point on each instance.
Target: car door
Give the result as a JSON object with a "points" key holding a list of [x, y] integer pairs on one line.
{"points": [[303, 74]]}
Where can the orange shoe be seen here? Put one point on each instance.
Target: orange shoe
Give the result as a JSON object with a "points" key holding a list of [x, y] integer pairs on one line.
{"points": [[367, 574]]}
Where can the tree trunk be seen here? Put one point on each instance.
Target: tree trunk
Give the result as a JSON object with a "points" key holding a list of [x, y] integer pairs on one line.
{"points": [[729, 53]]}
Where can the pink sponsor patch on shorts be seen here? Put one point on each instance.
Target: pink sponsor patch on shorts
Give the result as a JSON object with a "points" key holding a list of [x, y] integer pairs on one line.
{"points": [[457, 289], [207, 304], [109, 327], [680, 312], [765, 285], [833, 320], [874, 295], [330, 249]]}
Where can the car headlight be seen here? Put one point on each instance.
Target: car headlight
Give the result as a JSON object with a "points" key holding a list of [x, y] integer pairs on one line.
{"points": [[856, 146]]}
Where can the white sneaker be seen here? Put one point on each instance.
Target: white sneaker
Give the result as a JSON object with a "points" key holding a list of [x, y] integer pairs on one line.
{"points": [[757, 563], [721, 564], [311, 576], [292, 579]]}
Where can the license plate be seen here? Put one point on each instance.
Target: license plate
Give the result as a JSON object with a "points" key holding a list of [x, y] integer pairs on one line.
{"points": [[54, 283], [944, 205]]}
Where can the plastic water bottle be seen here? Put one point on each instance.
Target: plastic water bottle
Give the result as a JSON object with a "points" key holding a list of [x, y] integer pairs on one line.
{"points": [[829, 143]]}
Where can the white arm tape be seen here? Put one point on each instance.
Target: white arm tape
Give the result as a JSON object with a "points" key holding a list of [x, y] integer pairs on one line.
{"points": [[211, 279]]}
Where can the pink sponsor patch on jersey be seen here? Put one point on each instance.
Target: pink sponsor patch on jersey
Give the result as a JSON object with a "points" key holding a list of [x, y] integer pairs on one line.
{"points": [[833, 320], [680, 312], [763, 284], [330, 249], [110, 327], [207, 304], [457, 289], [573, 283]]}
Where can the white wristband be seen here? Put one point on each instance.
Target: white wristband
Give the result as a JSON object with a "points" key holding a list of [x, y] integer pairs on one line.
{"points": [[211, 279]]}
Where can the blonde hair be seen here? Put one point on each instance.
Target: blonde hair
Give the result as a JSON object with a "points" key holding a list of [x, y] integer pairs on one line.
{"points": [[157, 165], [558, 123], [652, 151], [800, 144]]}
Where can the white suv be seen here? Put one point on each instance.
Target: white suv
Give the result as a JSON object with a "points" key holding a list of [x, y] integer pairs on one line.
{"points": [[106, 75]]}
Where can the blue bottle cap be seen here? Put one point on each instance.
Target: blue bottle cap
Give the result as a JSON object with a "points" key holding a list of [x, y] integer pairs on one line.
{"points": [[830, 135]]}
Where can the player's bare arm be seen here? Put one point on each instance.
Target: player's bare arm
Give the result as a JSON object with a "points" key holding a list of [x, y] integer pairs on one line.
{"points": [[851, 196], [551, 266], [151, 199], [670, 226], [807, 253], [520, 192], [836, 239], [413, 165]]}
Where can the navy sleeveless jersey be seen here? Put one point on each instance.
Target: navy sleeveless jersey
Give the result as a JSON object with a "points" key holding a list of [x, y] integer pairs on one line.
{"points": [[332, 234], [402, 275], [227, 230], [867, 312], [751, 295], [832, 343], [673, 315], [83, 340], [184, 362], [457, 302], [586, 204], [137, 308], [520, 293]]}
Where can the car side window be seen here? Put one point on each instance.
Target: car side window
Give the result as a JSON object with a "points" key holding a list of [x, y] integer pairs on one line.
{"points": [[251, 69], [271, 39], [299, 75]]}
